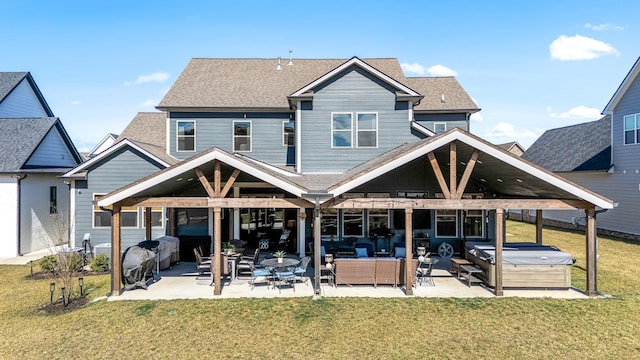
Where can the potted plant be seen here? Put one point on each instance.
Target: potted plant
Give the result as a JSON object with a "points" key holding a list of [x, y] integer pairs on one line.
{"points": [[279, 254], [228, 247]]}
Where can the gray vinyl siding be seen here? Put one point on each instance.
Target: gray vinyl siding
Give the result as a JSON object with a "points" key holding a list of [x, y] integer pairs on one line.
{"points": [[625, 156], [119, 169], [22, 102], [216, 130], [52, 152], [353, 91], [456, 120]]}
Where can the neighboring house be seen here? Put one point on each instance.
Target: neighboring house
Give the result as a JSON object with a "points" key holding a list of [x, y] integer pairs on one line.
{"points": [[336, 150], [35, 150], [102, 145], [513, 147], [601, 155]]}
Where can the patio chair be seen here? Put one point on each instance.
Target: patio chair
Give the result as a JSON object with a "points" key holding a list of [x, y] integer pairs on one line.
{"points": [[258, 273], [202, 255], [301, 270], [284, 275], [246, 263], [202, 266]]}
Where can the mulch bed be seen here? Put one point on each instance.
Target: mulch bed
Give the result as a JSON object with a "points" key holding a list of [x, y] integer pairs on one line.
{"points": [[57, 307]]}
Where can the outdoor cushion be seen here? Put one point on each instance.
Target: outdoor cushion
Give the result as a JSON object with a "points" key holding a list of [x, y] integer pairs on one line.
{"points": [[322, 251], [401, 252], [361, 252]]}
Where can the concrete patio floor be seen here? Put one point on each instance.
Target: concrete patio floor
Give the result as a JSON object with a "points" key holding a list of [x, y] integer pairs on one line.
{"points": [[181, 282]]}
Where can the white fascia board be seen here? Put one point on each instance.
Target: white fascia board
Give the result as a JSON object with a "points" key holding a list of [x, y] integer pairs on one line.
{"points": [[189, 165], [363, 65], [624, 86], [422, 129], [537, 172], [109, 151]]}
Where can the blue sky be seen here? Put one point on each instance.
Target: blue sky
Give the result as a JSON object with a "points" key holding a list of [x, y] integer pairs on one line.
{"points": [[530, 66]]}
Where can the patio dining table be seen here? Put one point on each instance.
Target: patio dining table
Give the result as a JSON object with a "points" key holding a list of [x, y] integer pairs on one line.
{"points": [[273, 262]]}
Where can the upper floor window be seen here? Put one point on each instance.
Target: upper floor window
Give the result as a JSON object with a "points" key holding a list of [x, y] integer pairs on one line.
{"points": [[186, 133], [439, 127], [632, 129], [288, 136], [341, 130], [242, 135], [367, 130]]}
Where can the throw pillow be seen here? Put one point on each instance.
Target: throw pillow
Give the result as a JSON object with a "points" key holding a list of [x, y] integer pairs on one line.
{"points": [[322, 252], [401, 252], [361, 252]]}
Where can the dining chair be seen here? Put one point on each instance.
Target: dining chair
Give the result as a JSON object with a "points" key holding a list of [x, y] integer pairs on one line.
{"points": [[202, 266], [301, 270], [246, 263], [284, 275], [257, 272]]}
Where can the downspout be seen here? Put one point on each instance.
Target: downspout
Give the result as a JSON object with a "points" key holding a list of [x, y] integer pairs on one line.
{"points": [[298, 137], [19, 178]]}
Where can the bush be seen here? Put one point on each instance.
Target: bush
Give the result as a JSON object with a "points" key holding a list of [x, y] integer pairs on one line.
{"points": [[100, 263], [48, 263], [51, 263]]}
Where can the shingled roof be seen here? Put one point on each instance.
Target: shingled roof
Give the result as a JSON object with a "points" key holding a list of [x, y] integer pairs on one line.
{"points": [[148, 130], [581, 147], [257, 83], [19, 138], [9, 81]]}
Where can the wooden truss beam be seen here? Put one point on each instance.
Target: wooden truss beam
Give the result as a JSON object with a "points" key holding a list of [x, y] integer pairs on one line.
{"points": [[204, 202], [462, 204], [436, 169]]}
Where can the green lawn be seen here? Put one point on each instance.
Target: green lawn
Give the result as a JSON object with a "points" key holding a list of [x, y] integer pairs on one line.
{"points": [[355, 328]]}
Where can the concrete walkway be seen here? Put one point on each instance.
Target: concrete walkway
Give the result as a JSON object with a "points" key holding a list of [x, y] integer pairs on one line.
{"points": [[181, 282], [26, 258]]}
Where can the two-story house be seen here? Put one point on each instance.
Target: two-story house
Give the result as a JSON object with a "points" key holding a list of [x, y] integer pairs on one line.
{"points": [[35, 150], [335, 150], [601, 155]]}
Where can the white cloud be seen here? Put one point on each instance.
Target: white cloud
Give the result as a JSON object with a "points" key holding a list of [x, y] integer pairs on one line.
{"points": [[507, 130], [578, 112], [476, 117], [441, 70], [148, 103], [414, 68], [155, 77], [579, 48], [75, 102], [604, 27]]}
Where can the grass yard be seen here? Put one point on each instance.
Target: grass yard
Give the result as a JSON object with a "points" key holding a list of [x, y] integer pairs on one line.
{"points": [[337, 328]]}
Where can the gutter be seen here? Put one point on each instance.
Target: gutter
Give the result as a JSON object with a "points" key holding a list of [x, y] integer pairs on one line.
{"points": [[19, 178]]}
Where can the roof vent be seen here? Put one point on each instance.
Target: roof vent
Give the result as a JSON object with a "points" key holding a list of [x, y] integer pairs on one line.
{"points": [[442, 100], [290, 58], [279, 67]]}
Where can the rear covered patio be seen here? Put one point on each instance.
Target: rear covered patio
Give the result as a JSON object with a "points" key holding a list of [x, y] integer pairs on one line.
{"points": [[459, 172]]}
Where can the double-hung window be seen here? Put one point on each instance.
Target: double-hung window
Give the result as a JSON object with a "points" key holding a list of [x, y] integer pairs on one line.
{"points": [[53, 200], [329, 222], [632, 129], [156, 217], [242, 135], [186, 135], [367, 130], [102, 217], [446, 223], [353, 219], [341, 130], [474, 224], [288, 136], [439, 127], [378, 219]]}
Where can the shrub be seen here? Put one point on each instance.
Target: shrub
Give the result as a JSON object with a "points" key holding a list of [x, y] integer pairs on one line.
{"points": [[48, 263], [100, 263]]}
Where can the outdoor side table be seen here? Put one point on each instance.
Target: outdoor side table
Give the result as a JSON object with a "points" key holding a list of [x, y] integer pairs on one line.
{"points": [[468, 272]]}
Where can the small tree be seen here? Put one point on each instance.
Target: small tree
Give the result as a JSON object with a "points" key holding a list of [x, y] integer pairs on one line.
{"points": [[63, 265]]}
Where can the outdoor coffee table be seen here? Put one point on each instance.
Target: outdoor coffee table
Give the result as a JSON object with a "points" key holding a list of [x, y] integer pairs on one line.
{"points": [[468, 272]]}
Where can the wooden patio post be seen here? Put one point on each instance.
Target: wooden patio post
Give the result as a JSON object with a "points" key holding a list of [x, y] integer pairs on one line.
{"points": [[147, 223], [217, 251], [592, 283], [499, 240], [539, 221], [408, 263], [116, 260]]}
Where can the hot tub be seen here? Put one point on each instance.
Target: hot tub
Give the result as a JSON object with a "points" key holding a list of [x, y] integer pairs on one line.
{"points": [[524, 265]]}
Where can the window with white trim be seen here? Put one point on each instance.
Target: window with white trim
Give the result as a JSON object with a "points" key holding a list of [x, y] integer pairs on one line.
{"points": [[341, 130], [474, 224], [329, 222], [242, 135], [353, 219], [288, 133], [156, 217], [367, 130], [102, 216], [439, 127], [378, 219], [632, 129], [446, 223], [53, 200], [186, 135]]}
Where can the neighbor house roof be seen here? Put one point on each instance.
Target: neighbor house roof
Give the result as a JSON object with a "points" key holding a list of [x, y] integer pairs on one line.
{"points": [[148, 130], [258, 84], [20, 137], [513, 147], [581, 147], [9, 81]]}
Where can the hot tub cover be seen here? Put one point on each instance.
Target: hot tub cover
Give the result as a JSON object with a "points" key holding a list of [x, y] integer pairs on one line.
{"points": [[523, 254]]}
